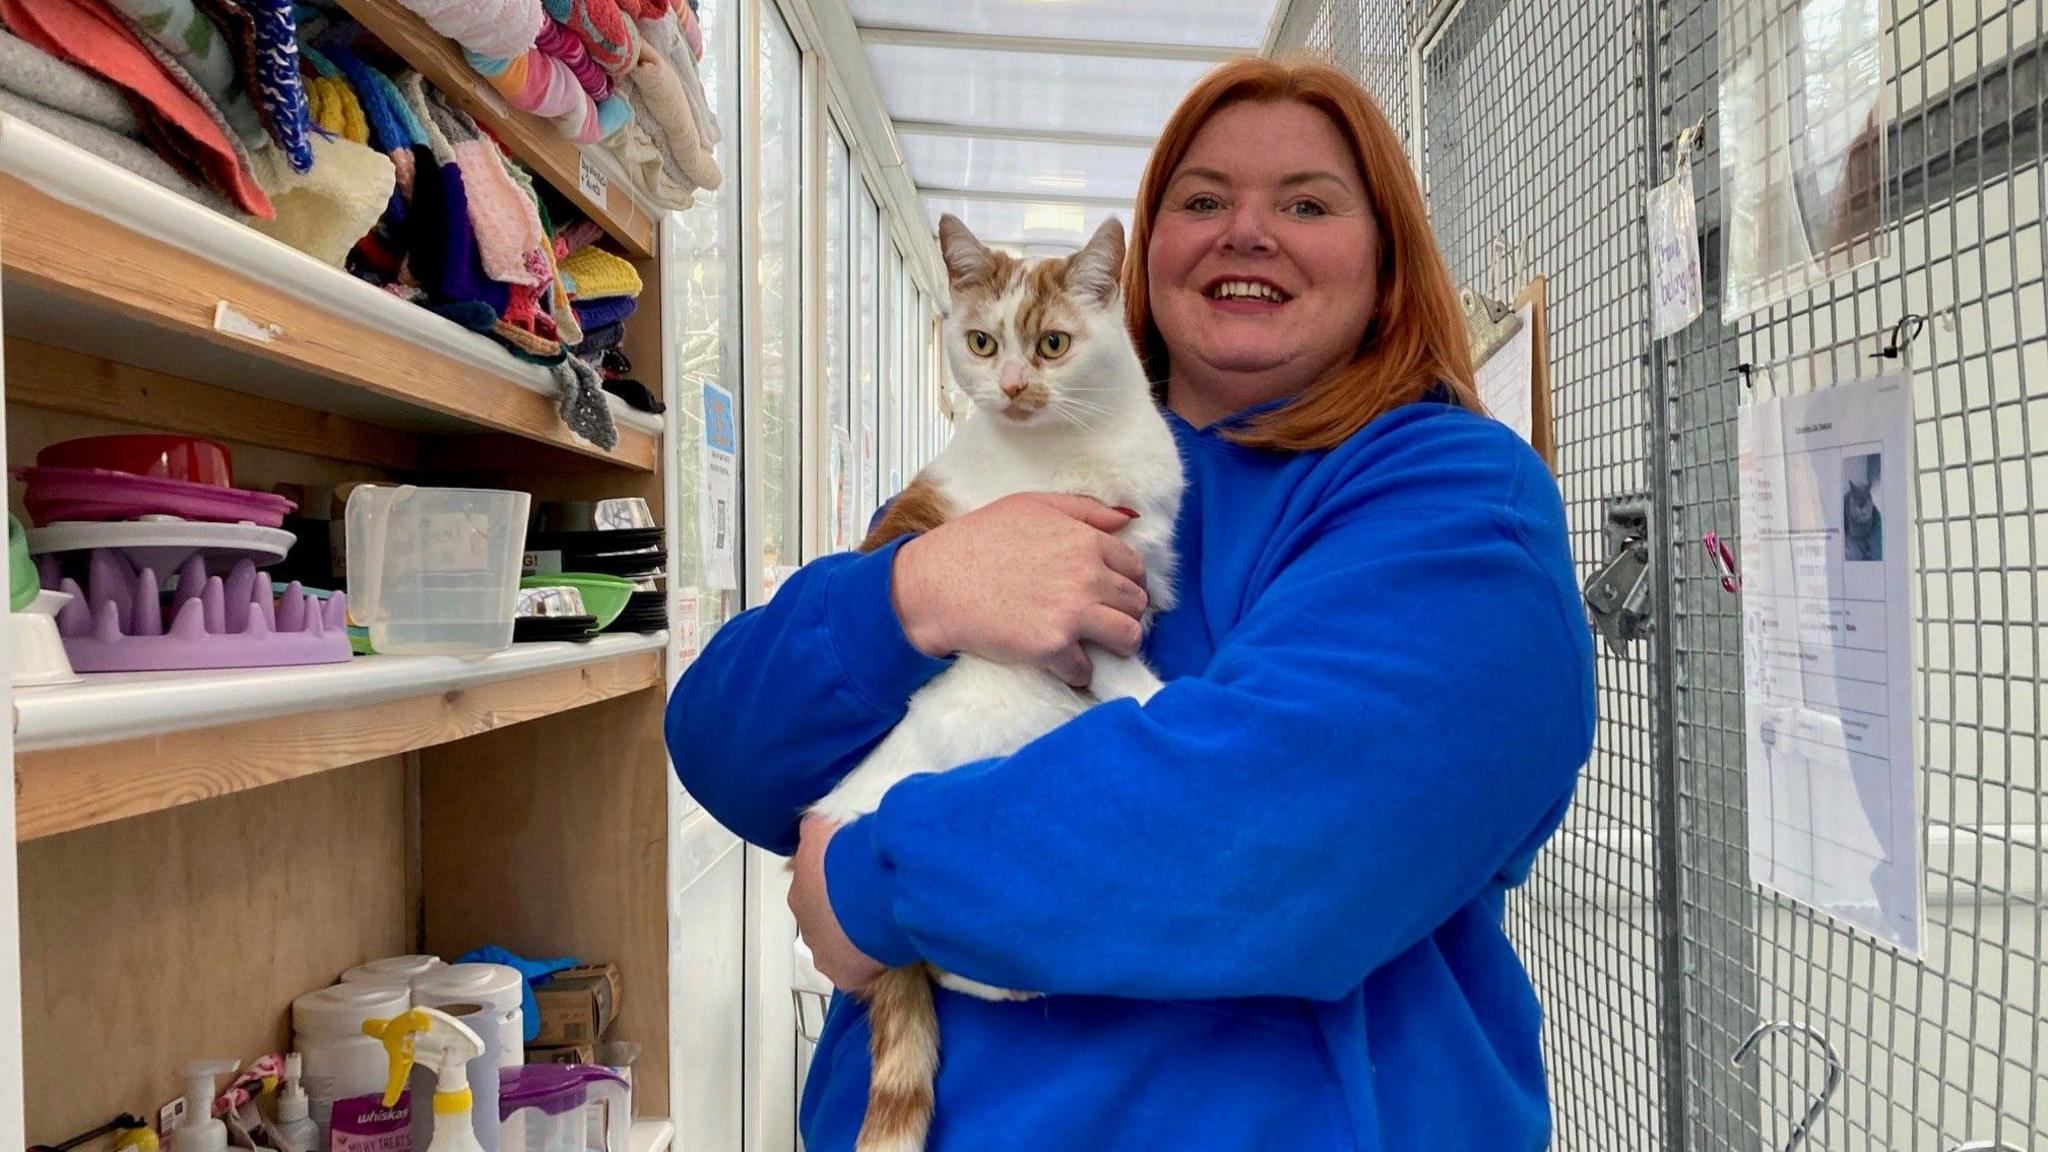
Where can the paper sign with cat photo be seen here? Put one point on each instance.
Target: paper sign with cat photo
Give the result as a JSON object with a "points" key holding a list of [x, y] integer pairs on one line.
{"points": [[1827, 655]]}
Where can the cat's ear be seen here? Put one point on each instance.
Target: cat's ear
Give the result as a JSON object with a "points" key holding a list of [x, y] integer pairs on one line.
{"points": [[1095, 269], [968, 261]]}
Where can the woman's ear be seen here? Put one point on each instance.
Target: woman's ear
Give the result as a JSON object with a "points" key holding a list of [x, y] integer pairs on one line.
{"points": [[1094, 270], [968, 261]]}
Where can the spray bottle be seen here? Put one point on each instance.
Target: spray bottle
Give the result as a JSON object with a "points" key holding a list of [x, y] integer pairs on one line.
{"points": [[432, 1037]]}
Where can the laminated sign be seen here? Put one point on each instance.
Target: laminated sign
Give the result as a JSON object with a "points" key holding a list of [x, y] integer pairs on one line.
{"points": [[717, 527]]}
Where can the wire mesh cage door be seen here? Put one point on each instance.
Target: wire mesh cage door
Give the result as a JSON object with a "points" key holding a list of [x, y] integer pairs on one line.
{"points": [[1948, 1048], [1532, 122]]}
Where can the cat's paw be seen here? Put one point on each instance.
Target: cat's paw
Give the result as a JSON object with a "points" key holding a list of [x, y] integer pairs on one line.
{"points": [[1117, 677]]}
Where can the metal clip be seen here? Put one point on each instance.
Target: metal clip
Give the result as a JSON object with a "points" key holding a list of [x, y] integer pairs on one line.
{"points": [[1819, 1101], [1618, 592]]}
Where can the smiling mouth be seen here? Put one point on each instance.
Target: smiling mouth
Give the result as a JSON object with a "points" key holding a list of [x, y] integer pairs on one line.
{"points": [[1253, 290]]}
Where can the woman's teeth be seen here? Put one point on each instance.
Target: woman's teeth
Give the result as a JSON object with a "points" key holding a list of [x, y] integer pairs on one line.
{"points": [[1247, 290]]}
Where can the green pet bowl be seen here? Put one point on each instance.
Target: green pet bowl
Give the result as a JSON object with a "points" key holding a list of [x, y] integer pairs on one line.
{"points": [[22, 584], [603, 596]]}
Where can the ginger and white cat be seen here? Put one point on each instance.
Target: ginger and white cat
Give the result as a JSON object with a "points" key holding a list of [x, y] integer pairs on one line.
{"points": [[1061, 405]]}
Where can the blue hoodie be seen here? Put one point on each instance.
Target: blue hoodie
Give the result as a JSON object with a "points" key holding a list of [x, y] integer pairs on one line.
{"points": [[1266, 907]]}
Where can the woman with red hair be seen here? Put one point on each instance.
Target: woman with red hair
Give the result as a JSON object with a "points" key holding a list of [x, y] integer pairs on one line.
{"points": [[1266, 907]]}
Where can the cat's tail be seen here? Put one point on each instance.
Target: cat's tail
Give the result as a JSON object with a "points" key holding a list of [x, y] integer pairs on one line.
{"points": [[905, 1048]]}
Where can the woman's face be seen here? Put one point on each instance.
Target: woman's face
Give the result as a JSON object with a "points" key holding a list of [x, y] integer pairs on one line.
{"points": [[1263, 266]]}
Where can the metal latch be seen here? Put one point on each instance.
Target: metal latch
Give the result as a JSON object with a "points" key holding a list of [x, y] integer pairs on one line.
{"points": [[1618, 592]]}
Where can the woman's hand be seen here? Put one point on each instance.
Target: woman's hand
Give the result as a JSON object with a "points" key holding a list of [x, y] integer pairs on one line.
{"points": [[1025, 580], [834, 954]]}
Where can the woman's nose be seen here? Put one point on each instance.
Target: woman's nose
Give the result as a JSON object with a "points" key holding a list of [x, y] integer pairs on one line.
{"points": [[1247, 231]]}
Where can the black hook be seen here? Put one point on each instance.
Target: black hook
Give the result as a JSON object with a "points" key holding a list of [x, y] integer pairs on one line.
{"points": [[1747, 371], [1903, 333]]}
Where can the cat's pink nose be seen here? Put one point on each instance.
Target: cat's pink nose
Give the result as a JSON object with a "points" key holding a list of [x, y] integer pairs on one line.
{"points": [[1013, 380]]}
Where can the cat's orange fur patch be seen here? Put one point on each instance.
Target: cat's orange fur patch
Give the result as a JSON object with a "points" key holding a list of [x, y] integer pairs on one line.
{"points": [[904, 1045], [919, 508]]}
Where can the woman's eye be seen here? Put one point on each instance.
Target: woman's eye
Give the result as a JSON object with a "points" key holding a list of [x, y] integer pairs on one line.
{"points": [[1054, 345], [1204, 203], [981, 343], [1307, 209]]}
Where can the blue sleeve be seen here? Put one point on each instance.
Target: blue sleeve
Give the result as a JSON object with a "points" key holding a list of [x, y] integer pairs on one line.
{"points": [[787, 697], [1389, 733]]}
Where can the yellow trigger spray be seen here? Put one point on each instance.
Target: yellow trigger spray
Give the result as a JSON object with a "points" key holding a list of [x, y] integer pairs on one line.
{"points": [[431, 1037]]}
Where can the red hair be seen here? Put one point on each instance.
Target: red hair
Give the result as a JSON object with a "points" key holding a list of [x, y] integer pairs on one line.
{"points": [[1416, 341]]}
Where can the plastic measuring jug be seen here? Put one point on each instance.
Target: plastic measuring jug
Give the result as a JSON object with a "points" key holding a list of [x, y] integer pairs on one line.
{"points": [[435, 570]]}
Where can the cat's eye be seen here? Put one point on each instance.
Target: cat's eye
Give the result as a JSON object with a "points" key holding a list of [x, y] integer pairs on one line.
{"points": [[1054, 345], [981, 343]]}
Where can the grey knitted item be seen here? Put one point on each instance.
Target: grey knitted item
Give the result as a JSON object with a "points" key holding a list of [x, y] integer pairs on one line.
{"points": [[583, 404], [39, 78], [114, 148]]}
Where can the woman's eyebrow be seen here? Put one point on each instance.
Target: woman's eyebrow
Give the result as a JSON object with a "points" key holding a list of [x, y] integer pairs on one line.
{"points": [[1315, 176]]}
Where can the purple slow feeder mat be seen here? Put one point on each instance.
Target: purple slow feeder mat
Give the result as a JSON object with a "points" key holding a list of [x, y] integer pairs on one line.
{"points": [[119, 622]]}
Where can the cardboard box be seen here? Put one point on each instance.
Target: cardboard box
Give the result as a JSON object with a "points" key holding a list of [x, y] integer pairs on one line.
{"points": [[577, 1005], [566, 1054]]}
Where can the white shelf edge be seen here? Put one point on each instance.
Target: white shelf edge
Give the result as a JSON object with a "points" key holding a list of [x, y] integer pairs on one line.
{"points": [[78, 178], [653, 1135], [124, 705]]}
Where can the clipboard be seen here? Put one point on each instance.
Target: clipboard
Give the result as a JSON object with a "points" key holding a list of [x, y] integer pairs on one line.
{"points": [[1513, 375]]}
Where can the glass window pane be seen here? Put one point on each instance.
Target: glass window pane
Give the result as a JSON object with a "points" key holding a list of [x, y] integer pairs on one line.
{"points": [[838, 356], [913, 394], [705, 340], [983, 88], [892, 372], [1222, 23], [1025, 167], [868, 364], [838, 328], [778, 268]]}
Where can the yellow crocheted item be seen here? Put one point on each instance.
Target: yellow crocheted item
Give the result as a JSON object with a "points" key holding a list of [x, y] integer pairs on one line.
{"points": [[336, 110], [599, 275]]}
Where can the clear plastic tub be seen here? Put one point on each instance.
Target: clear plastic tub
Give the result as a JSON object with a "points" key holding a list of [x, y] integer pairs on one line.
{"points": [[435, 571]]}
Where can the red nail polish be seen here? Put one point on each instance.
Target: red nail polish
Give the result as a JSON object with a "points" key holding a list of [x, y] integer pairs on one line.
{"points": [[1131, 512]]}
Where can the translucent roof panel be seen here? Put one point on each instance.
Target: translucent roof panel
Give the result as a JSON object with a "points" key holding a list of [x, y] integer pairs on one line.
{"points": [[990, 89], [1219, 23], [1019, 223], [1023, 167]]}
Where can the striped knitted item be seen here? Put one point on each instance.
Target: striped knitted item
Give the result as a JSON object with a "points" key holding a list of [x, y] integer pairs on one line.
{"points": [[538, 83], [264, 40], [562, 44], [607, 34]]}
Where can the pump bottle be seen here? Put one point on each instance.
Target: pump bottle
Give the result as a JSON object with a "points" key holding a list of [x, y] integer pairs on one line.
{"points": [[199, 1131]]}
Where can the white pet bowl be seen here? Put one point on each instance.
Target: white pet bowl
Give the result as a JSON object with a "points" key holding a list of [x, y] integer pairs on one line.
{"points": [[38, 651]]}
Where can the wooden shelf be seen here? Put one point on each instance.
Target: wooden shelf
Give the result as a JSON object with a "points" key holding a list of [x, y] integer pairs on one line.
{"points": [[559, 160], [101, 261], [122, 744]]}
